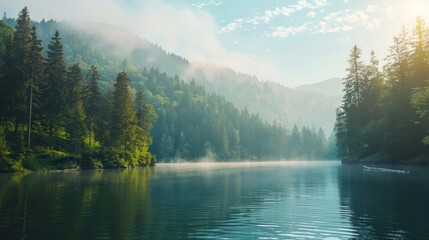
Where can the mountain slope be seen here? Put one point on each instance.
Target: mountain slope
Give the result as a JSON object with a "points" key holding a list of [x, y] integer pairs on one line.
{"points": [[111, 47], [330, 87]]}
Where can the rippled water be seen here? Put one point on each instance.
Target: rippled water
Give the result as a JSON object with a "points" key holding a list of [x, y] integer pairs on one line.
{"points": [[288, 200]]}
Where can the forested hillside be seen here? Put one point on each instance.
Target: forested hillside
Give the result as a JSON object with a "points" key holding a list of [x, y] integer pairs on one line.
{"points": [[70, 104], [109, 48], [330, 87], [384, 115]]}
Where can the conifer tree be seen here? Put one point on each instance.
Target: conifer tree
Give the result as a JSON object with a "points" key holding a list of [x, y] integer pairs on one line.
{"points": [[55, 89], [6, 33], [352, 100], [92, 96], [295, 142], [74, 114], [419, 60], [36, 77], [19, 68], [123, 116], [145, 115]]}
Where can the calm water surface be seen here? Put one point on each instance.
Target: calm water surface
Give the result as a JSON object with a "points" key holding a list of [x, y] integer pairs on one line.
{"points": [[289, 200]]}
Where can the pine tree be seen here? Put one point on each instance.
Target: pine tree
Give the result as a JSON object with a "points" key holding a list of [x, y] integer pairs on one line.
{"points": [[420, 101], [56, 85], [374, 89], [123, 116], [36, 78], [353, 81], [6, 64], [92, 96], [18, 76], [295, 142], [145, 115], [74, 113], [420, 54], [341, 134], [352, 100]]}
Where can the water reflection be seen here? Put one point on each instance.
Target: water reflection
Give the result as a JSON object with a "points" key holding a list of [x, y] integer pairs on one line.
{"points": [[386, 205], [290, 200]]}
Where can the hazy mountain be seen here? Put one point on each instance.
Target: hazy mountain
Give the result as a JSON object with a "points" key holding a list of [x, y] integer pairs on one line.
{"points": [[105, 45], [273, 101], [330, 87]]}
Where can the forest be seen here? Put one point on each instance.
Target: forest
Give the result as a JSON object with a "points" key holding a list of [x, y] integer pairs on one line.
{"points": [[384, 115], [61, 109]]}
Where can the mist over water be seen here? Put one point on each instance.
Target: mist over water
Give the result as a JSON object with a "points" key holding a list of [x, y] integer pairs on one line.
{"points": [[249, 200]]}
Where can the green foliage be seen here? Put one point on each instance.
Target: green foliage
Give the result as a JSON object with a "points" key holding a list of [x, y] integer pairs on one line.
{"points": [[144, 114], [420, 101], [6, 164], [59, 107], [55, 89], [92, 100], [45, 159], [74, 115], [385, 115]]}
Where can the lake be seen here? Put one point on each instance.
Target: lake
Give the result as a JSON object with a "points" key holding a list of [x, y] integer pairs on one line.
{"points": [[286, 200]]}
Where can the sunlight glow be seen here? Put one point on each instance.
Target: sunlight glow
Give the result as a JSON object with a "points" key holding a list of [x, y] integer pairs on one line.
{"points": [[414, 9]]}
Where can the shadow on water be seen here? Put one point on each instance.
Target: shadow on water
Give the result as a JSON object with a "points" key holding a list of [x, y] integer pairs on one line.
{"points": [[386, 205]]}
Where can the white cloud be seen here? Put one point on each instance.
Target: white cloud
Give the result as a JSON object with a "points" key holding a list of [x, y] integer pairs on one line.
{"points": [[311, 14], [370, 18], [269, 14], [232, 26], [189, 32], [213, 3], [283, 32], [372, 8]]}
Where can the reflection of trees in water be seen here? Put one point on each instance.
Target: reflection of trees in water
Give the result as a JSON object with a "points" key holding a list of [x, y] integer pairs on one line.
{"points": [[134, 204], [385, 205], [74, 205], [229, 196]]}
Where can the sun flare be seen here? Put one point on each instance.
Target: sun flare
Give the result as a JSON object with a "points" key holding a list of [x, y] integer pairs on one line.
{"points": [[416, 9]]}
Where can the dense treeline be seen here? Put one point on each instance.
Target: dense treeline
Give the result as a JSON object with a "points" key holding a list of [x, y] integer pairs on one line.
{"points": [[384, 115], [92, 44], [75, 114], [192, 124], [53, 116]]}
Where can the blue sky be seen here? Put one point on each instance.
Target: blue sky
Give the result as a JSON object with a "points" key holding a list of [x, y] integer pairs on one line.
{"points": [[292, 42]]}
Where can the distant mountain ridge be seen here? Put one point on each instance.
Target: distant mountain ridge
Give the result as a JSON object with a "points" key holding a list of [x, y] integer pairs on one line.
{"points": [[330, 87]]}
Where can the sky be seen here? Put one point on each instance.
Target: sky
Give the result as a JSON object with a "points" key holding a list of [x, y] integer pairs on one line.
{"points": [[292, 42]]}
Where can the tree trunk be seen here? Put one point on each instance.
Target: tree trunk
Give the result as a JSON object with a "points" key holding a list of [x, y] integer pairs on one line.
{"points": [[29, 114]]}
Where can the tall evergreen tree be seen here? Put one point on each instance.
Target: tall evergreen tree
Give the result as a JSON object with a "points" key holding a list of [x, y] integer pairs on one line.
{"points": [[19, 68], [36, 77], [420, 101], [56, 85], [123, 116], [295, 142], [419, 60], [74, 123], [92, 102], [6, 34], [145, 117], [398, 118], [351, 107]]}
